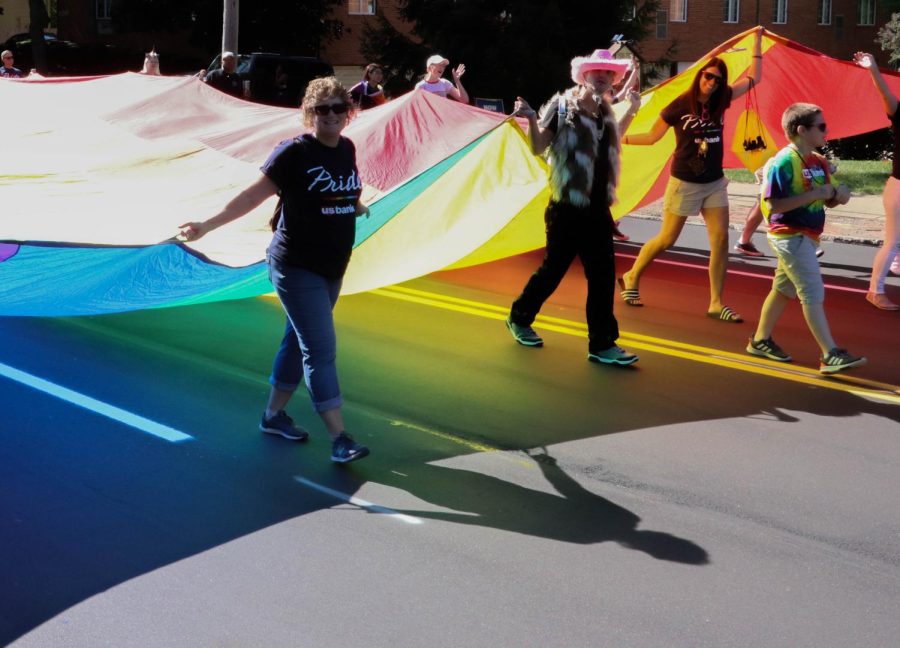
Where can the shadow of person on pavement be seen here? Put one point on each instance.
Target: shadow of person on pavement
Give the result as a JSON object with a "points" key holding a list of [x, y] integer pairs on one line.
{"points": [[574, 515]]}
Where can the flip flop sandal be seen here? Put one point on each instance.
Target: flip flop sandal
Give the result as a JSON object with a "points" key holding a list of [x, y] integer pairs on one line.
{"points": [[630, 296], [726, 315]]}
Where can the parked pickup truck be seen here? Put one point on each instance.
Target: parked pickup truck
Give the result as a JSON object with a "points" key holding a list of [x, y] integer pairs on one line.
{"points": [[276, 79]]}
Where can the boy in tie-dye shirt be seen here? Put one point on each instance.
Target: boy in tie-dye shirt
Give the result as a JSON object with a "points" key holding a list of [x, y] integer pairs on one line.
{"points": [[797, 188]]}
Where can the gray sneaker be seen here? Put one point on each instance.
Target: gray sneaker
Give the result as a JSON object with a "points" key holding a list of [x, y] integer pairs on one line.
{"points": [[524, 335], [613, 355], [838, 360], [767, 349], [344, 449], [283, 425]]}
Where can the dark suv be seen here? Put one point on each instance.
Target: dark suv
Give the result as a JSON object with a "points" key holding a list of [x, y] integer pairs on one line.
{"points": [[276, 79]]}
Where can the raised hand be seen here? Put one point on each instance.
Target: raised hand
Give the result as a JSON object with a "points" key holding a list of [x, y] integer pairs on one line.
{"points": [[522, 108], [864, 59], [459, 71]]}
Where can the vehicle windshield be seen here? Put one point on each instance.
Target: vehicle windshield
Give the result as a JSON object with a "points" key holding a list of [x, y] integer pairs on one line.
{"points": [[243, 63]]}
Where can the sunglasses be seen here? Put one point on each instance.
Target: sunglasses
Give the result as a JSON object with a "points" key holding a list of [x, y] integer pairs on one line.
{"points": [[709, 76], [337, 109], [822, 127]]}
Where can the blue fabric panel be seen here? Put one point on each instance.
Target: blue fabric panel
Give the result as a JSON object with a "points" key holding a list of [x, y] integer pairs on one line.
{"points": [[40, 280]]}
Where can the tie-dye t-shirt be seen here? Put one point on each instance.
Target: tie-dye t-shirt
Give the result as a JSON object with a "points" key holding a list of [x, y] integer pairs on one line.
{"points": [[790, 174]]}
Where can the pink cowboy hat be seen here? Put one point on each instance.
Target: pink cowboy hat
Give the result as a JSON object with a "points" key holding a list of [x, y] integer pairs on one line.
{"points": [[601, 59]]}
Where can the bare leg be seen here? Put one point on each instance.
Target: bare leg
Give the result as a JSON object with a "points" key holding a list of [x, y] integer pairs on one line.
{"points": [[818, 326], [886, 253], [754, 218], [668, 235], [334, 421], [278, 400], [772, 309], [717, 229]]}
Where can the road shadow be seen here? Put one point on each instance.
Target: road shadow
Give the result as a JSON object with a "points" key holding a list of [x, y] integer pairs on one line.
{"points": [[574, 514]]}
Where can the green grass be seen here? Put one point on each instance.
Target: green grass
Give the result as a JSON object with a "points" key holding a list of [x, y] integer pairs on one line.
{"points": [[862, 176]]}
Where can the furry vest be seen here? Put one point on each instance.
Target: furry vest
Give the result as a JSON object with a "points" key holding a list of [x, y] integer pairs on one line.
{"points": [[572, 154]]}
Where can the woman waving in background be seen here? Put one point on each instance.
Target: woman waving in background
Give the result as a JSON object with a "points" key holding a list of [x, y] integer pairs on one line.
{"points": [[316, 177], [891, 196], [697, 183]]}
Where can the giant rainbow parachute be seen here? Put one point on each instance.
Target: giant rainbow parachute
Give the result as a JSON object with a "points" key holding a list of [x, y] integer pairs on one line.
{"points": [[97, 173]]}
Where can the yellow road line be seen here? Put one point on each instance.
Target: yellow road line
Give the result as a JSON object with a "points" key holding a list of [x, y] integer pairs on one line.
{"points": [[741, 362]]}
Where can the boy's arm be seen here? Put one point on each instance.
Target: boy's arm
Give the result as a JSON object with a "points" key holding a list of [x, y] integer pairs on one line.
{"points": [[825, 192]]}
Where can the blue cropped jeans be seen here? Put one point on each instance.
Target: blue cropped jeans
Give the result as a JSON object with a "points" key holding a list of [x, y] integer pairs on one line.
{"points": [[309, 347]]}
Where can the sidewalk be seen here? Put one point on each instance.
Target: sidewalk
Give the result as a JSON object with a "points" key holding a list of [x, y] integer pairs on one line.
{"points": [[859, 221]]}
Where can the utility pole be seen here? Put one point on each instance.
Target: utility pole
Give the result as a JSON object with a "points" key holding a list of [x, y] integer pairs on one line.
{"points": [[230, 26]]}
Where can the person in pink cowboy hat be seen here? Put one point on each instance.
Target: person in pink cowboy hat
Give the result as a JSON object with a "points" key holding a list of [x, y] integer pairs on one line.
{"points": [[581, 133], [697, 183]]}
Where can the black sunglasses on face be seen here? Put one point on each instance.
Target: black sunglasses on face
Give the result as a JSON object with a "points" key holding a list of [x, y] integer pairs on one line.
{"points": [[709, 76], [822, 127], [337, 109]]}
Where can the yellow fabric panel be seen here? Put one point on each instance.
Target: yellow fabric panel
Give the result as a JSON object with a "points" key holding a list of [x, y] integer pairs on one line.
{"points": [[457, 215]]}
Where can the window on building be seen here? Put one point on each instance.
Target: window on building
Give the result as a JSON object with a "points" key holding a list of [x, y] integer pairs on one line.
{"points": [[866, 12], [824, 12], [662, 24], [732, 11], [779, 12], [678, 10], [364, 7], [104, 9], [839, 27]]}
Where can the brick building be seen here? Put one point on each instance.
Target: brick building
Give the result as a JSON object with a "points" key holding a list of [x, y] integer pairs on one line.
{"points": [[345, 53], [684, 30], [687, 29]]}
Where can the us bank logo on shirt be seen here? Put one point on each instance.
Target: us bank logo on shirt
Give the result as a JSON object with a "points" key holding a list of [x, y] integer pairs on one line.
{"points": [[337, 210], [324, 182]]}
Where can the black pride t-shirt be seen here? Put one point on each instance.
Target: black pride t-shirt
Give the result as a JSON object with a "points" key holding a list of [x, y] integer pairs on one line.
{"points": [[690, 163], [319, 187]]}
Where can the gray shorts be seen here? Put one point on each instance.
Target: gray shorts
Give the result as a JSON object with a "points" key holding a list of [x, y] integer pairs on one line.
{"points": [[688, 198], [798, 273]]}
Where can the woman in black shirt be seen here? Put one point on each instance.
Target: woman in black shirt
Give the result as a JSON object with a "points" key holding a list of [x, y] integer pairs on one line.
{"points": [[316, 177], [697, 183]]}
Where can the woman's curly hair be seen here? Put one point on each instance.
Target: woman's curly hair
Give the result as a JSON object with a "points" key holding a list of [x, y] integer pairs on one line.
{"points": [[320, 90]]}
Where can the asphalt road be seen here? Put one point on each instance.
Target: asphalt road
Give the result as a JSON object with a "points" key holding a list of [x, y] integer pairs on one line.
{"points": [[514, 496]]}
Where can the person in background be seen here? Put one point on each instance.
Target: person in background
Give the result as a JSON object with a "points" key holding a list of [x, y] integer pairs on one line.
{"points": [[151, 63], [582, 133], [890, 248], [7, 70], [797, 188], [697, 183], [226, 79], [316, 177], [368, 93], [436, 84]]}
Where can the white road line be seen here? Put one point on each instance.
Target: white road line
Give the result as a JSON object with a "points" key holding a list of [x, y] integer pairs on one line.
{"points": [[356, 501], [92, 404]]}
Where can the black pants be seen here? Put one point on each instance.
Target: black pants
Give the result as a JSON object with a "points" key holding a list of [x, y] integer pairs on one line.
{"points": [[586, 232]]}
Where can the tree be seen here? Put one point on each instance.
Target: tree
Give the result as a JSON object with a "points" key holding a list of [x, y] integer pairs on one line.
{"points": [[510, 47], [39, 20], [889, 39], [285, 26]]}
